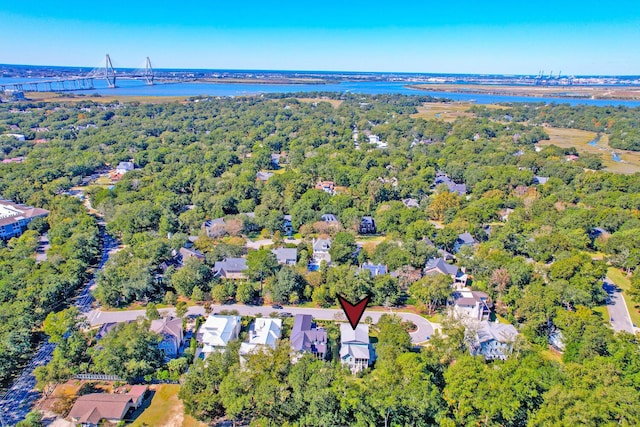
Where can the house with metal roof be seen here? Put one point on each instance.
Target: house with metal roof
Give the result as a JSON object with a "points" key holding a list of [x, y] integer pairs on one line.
{"points": [[493, 340], [263, 332], [356, 350], [216, 333]]}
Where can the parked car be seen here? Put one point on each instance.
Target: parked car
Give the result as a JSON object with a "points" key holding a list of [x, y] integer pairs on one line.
{"points": [[286, 314], [277, 306]]}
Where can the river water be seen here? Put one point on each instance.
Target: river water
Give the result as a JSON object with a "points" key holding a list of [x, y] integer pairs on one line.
{"points": [[139, 88]]}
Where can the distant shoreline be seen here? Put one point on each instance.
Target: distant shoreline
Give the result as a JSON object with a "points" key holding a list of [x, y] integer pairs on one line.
{"points": [[631, 93]]}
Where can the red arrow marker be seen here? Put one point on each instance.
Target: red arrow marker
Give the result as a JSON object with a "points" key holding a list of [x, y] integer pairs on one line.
{"points": [[353, 311]]}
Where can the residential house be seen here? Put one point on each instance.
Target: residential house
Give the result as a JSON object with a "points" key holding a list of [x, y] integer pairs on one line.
{"points": [[172, 335], [326, 186], [442, 178], [15, 217], [440, 266], [17, 136], [263, 176], [556, 339], [321, 250], [446, 255], [411, 203], [185, 253], [306, 337], [571, 158], [124, 167], [287, 225], [374, 269], [329, 218], [277, 159], [493, 340], [137, 393], [367, 225], [540, 179], [231, 268], [18, 159], [375, 140], [356, 350], [504, 214], [91, 410], [286, 256], [263, 332], [471, 305], [104, 329], [464, 239], [214, 227], [216, 333]]}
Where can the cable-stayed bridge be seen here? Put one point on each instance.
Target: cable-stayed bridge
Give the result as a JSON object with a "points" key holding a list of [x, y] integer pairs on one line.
{"points": [[104, 71]]}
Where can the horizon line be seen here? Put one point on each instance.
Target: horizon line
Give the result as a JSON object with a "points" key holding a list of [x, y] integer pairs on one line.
{"points": [[332, 71]]}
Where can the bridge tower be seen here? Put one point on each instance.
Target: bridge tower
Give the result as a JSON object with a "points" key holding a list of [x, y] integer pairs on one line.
{"points": [[148, 72], [109, 72]]}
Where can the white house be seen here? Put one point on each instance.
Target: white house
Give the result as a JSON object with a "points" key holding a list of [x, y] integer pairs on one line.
{"points": [[217, 331], [124, 167], [263, 332], [17, 136], [493, 340], [321, 250], [470, 305], [355, 349]]}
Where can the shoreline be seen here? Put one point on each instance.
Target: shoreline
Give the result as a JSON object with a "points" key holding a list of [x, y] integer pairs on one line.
{"points": [[627, 93]]}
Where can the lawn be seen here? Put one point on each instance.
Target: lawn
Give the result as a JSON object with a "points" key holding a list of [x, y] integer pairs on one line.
{"points": [[621, 281], [443, 111], [579, 139], [166, 410]]}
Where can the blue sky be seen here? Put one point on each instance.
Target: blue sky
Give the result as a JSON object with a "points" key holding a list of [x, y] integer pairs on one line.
{"points": [[508, 37]]}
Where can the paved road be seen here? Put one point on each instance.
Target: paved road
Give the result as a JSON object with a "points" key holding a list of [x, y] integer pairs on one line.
{"points": [[618, 312], [21, 396], [425, 328]]}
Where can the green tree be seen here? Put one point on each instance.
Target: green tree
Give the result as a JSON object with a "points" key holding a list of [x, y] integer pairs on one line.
{"points": [[432, 290], [151, 312], [343, 248]]}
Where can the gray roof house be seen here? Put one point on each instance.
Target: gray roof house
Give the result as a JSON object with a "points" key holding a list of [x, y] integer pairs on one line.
{"points": [[440, 266], [464, 239], [493, 340], [214, 227], [263, 176], [374, 269], [231, 268], [472, 305], [306, 337], [124, 167], [172, 335], [411, 203], [286, 256], [185, 253], [356, 350], [321, 250], [442, 178], [329, 218]]}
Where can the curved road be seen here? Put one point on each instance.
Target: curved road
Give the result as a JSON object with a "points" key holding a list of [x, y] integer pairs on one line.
{"points": [[422, 334]]}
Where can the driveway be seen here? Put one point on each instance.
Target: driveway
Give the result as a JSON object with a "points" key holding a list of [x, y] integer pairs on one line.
{"points": [[618, 312], [422, 334]]}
